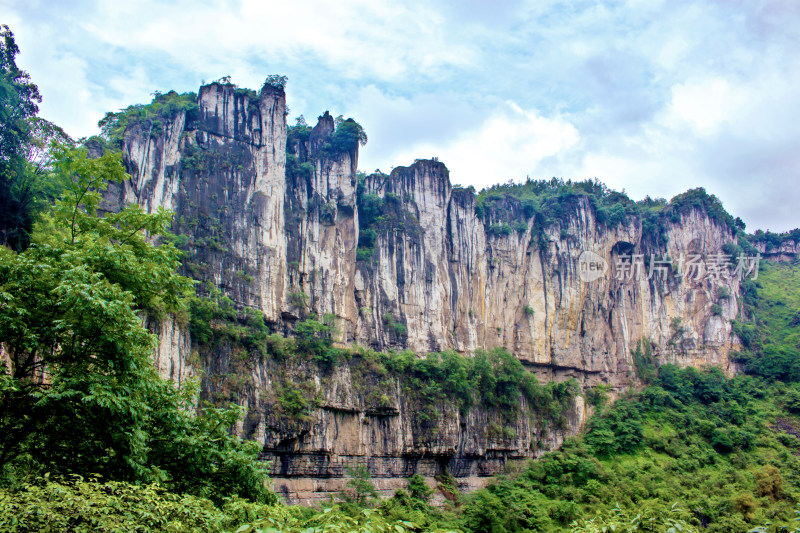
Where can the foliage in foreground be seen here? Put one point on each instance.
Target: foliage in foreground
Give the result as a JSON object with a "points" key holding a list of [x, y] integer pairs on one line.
{"points": [[80, 393], [723, 450], [622, 521], [84, 506], [91, 506]]}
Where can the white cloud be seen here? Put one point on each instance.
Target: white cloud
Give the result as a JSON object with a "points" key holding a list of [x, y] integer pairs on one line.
{"points": [[653, 97], [348, 35], [400, 125], [510, 143], [705, 106]]}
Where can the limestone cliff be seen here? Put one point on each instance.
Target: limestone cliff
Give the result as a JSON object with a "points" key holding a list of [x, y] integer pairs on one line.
{"points": [[439, 272], [454, 285]]}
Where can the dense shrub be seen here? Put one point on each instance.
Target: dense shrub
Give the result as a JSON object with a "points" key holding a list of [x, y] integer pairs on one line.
{"points": [[685, 455], [72, 310], [347, 136]]}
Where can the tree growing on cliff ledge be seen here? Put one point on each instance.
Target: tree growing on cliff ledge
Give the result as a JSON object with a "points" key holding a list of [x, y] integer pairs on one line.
{"points": [[276, 80], [347, 137]]}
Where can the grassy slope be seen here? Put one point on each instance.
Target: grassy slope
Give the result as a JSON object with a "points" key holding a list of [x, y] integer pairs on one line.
{"points": [[724, 463], [776, 326]]}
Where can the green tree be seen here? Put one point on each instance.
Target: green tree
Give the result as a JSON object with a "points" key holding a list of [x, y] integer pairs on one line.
{"points": [[359, 489], [486, 512], [347, 137], [79, 393], [418, 489], [314, 339], [18, 103]]}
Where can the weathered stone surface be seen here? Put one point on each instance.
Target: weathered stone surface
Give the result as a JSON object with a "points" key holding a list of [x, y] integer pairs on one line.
{"points": [[345, 431], [458, 287], [788, 250], [223, 176], [287, 245], [174, 345]]}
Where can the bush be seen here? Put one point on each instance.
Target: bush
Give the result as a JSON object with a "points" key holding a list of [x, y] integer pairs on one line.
{"points": [[347, 137], [150, 116], [370, 208], [364, 254], [296, 170], [298, 299], [597, 396], [398, 328], [92, 506], [499, 229], [359, 489], [643, 361], [313, 338], [619, 430], [418, 489]]}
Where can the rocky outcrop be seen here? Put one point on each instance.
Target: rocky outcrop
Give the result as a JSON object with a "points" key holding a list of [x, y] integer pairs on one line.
{"points": [[174, 348], [787, 250], [321, 230], [310, 453], [439, 272], [223, 176]]}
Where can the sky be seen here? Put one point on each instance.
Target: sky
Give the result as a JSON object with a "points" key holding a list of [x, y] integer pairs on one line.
{"points": [[648, 96]]}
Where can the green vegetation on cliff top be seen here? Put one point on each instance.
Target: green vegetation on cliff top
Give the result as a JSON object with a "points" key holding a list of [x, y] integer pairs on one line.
{"points": [[545, 203], [151, 117]]}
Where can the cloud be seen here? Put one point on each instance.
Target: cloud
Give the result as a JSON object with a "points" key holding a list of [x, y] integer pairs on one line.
{"points": [[153, 45], [705, 106], [510, 140], [400, 126], [650, 96]]}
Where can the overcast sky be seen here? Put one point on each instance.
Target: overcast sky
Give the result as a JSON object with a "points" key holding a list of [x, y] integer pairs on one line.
{"points": [[648, 96]]}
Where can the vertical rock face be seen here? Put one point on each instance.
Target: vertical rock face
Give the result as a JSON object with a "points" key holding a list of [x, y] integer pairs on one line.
{"points": [[453, 284], [430, 274], [223, 176], [310, 458], [321, 230], [174, 345], [787, 249], [408, 281]]}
